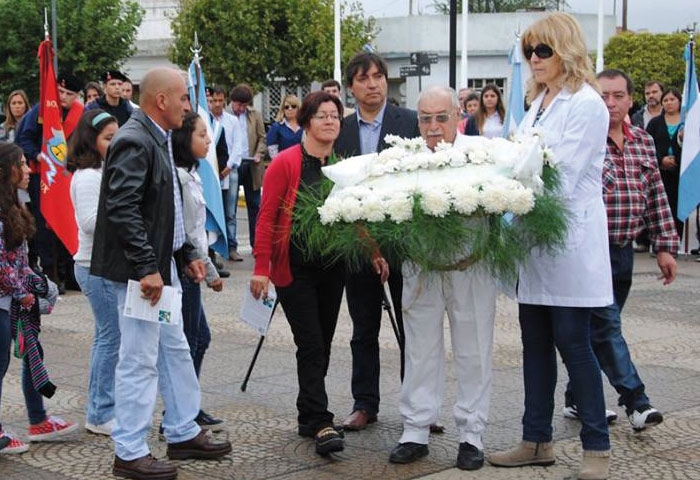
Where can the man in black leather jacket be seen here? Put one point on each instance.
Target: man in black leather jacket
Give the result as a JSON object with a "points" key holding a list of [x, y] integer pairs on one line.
{"points": [[139, 235]]}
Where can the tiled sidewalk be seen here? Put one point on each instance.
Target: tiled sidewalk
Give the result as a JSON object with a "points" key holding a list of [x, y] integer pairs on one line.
{"points": [[661, 325]]}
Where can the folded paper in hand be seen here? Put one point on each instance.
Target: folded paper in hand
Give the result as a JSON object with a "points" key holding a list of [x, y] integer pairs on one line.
{"points": [[168, 310]]}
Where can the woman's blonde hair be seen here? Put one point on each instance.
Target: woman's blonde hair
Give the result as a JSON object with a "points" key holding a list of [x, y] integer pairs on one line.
{"points": [[288, 99], [563, 33]]}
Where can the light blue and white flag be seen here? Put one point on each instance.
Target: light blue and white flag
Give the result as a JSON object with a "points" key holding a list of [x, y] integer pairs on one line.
{"points": [[516, 97], [689, 188], [208, 167]]}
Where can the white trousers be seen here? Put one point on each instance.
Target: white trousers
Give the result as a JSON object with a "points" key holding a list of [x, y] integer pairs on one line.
{"points": [[469, 298], [152, 357]]}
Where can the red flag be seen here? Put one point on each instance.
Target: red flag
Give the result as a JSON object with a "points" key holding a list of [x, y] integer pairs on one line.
{"points": [[56, 205]]}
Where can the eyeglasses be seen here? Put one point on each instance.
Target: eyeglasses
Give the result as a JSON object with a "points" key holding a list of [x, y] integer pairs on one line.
{"points": [[290, 107], [325, 116], [542, 50], [439, 117]]}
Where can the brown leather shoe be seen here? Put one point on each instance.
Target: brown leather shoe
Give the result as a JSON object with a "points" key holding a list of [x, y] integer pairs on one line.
{"points": [[358, 420], [144, 468], [200, 447]]}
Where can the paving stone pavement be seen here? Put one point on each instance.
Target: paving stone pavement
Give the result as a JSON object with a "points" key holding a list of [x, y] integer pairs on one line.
{"points": [[660, 323]]}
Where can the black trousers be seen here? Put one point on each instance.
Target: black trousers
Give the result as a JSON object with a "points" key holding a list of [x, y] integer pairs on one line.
{"points": [[311, 303], [364, 295]]}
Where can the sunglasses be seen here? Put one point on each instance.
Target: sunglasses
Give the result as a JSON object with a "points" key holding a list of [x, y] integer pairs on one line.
{"points": [[290, 107], [542, 50], [439, 117]]}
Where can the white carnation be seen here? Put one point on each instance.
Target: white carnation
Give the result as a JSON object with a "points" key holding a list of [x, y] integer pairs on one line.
{"points": [[465, 199], [478, 156], [331, 211], [399, 207], [522, 201], [352, 210], [435, 202], [494, 198], [373, 208]]}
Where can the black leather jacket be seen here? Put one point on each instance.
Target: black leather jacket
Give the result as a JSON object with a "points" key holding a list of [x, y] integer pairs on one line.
{"points": [[135, 216]]}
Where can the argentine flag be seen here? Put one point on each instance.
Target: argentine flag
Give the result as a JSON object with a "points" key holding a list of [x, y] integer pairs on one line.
{"points": [[516, 97], [209, 167], [689, 187]]}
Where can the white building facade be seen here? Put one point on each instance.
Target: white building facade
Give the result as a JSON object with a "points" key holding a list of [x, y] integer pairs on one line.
{"points": [[490, 38]]}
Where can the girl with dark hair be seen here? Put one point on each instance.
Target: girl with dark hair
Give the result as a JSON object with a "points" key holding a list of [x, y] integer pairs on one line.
{"points": [[488, 119], [666, 131], [87, 149], [190, 143], [16, 282]]}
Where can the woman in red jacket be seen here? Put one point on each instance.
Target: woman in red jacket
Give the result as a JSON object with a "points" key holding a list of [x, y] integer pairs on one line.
{"points": [[310, 290]]}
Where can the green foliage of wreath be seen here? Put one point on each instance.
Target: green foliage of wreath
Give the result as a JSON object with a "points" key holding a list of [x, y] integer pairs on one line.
{"points": [[452, 242]]}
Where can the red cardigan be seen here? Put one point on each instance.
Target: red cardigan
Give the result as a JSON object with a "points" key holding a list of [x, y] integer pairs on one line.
{"points": [[274, 225]]}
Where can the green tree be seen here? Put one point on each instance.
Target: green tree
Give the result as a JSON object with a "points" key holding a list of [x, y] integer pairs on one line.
{"points": [[93, 36], [260, 41], [648, 56], [498, 6]]}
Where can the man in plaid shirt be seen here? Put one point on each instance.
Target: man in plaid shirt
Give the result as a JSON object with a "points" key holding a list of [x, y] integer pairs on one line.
{"points": [[635, 198]]}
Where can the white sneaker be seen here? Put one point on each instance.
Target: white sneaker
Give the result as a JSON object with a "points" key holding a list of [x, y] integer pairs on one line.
{"points": [[571, 411], [15, 446], [643, 417], [103, 429]]}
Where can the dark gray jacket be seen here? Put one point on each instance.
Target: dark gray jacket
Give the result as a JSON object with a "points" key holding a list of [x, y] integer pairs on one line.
{"points": [[397, 121], [135, 216]]}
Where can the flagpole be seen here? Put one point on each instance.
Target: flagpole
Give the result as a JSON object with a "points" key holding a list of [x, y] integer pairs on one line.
{"points": [[196, 49], [54, 31], [336, 42], [599, 61], [464, 74]]}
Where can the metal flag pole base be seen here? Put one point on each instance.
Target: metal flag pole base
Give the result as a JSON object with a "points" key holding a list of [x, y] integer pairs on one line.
{"points": [[244, 385], [388, 305]]}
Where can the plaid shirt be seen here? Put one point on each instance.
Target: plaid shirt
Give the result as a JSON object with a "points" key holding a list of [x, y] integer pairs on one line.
{"points": [[634, 194]]}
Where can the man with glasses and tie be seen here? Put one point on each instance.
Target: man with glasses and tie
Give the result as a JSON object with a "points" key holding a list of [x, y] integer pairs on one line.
{"points": [[362, 133], [468, 296]]}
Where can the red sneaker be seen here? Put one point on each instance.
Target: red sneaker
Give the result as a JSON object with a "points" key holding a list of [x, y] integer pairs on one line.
{"points": [[15, 446], [52, 428]]}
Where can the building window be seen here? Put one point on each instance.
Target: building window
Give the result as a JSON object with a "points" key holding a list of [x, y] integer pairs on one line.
{"points": [[478, 83]]}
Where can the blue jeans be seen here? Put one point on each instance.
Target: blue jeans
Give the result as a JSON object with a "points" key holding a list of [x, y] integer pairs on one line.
{"points": [[230, 197], [152, 357], [606, 336], [194, 322], [5, 347], [105, 345], [567, 328], [32, 399]]}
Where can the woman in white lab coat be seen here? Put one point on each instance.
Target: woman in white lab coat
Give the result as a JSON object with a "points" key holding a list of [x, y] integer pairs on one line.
{"points": [[556, 291]]}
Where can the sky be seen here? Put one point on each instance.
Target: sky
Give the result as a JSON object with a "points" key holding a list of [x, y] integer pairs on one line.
{"points": [[653, 15]]}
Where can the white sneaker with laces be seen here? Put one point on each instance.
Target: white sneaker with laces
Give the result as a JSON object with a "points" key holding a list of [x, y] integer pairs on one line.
{"points": [[15, 446], [570, 411], [643, 417], [102, 429]]}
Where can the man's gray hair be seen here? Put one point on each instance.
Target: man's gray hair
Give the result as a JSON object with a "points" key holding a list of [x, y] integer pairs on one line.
{"points": [[438, 90]]}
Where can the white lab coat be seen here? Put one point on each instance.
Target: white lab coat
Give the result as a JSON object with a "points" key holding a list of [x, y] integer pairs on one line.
{"points": [[575, 127]]}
